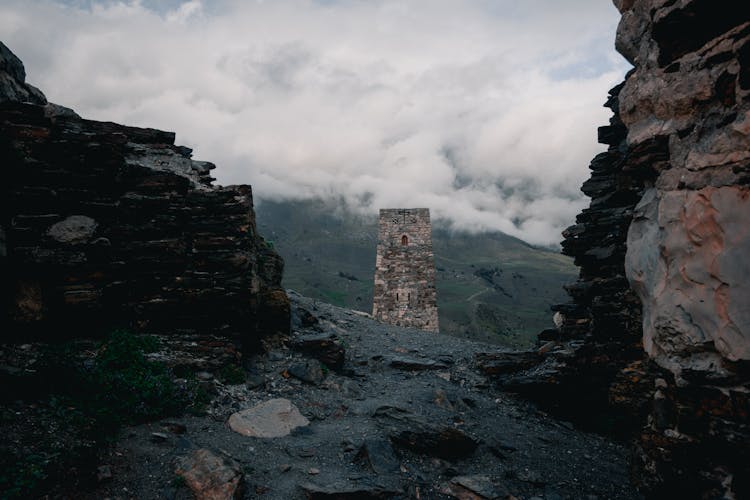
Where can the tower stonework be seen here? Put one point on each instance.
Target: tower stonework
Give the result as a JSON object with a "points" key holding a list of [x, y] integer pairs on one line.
{"points": [[404, 292]]}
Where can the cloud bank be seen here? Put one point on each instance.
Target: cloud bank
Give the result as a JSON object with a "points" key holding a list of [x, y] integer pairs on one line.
{"points": [[484, 111]]}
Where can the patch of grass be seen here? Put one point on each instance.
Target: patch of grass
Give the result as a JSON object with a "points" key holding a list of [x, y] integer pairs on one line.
{"points": [[232, 374], [23, 477], [88, 392], [128, 388], [178, 482]]}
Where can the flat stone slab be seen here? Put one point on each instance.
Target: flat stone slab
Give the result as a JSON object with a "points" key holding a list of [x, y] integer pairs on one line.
{"points": [[270, 419], [415, 364], [475, 488], [349, 491], [419, 435]]}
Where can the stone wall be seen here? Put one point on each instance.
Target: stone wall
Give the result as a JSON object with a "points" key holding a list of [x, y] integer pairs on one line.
{"points": [[108, 226], [655, 341], [689, 242], [404, 293]]}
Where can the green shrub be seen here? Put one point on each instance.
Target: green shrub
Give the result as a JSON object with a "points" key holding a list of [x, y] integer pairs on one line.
{"points": [[117, 387], [232, 374], [24, 477], [90, 393], [128, 388]]}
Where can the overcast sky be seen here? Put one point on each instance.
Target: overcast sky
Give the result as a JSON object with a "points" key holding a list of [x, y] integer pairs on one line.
{"points": [[485, 111]]}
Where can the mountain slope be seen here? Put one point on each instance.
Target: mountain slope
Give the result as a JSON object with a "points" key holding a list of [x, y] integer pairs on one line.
{"points": [[491, 286]]}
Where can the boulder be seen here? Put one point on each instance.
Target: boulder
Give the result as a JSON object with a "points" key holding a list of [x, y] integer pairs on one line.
{"points": [[210, 477], [416, 364], [270, 419], [417, 434], [378, 456], [323, 347], [308, 371]]}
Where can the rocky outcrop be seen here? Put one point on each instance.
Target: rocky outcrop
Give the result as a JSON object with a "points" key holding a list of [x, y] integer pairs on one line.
{"points": [[105, 225], [592, 369], [689, 240], [13, 86], [656, 336]]}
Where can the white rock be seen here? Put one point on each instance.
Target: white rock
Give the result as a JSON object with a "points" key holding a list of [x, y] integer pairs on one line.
{"points": [[270, 419]]}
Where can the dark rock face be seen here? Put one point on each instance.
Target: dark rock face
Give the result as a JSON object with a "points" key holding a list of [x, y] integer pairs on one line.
{"points": [[593, 370], [656, 330], [105, 225], [688, 243], [13, 86]]}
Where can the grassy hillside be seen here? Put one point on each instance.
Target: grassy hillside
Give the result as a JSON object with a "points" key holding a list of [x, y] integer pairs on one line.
{"points": [[491, 286]]}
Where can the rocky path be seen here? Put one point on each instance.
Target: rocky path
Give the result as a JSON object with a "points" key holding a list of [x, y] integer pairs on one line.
{"points": [[407, 415]]}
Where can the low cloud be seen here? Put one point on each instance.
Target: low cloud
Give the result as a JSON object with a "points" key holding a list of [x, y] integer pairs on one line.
{"points": [[484, 111]]}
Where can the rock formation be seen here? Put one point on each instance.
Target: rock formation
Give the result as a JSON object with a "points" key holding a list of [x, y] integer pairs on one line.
{"points": [[656, 337], [689, 240], [107, 226], [669, 211]]}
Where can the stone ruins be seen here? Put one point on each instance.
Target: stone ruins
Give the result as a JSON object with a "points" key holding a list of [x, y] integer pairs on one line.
{"points": [[404, 292], [120, 226]]}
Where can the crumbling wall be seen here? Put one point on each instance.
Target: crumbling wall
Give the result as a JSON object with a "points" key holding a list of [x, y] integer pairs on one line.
{"points": [[689, 242], [656, 337], [105, 225]]}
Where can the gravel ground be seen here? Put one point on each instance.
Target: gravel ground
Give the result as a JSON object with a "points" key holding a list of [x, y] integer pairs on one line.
{"points": [[431, 379]]}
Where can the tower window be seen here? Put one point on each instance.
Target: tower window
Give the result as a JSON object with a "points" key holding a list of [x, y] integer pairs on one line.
{"points": [[404, 240]]}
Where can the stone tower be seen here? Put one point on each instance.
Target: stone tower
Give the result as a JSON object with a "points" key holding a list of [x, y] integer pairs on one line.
{"points": [[405, 292]]}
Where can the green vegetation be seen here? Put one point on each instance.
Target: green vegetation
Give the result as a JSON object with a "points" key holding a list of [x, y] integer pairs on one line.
{"points": [[20, 477], [118, 387], [231, 374], [86, 394]]}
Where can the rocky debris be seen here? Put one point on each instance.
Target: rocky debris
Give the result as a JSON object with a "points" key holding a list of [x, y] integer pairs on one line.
{"points": [[506, 362], [410, 363], [323, 347], [352, 454], [209, 476], [347, 491], [103, 473], [271, 419], [159, 437], [378, 456], [417, 434], [307, 371], [203, 356], [303, 319], [120, 225], [475, 488]]}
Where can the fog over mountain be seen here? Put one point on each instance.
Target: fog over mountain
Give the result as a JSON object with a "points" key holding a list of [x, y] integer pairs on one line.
{"points": [[483, 110]]}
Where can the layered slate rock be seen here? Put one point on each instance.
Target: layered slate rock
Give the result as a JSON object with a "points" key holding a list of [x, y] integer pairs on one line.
{"points": [[667, 230], [689, 242], [412, 432], [656, 333], [105, 226], [592, 369]]}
